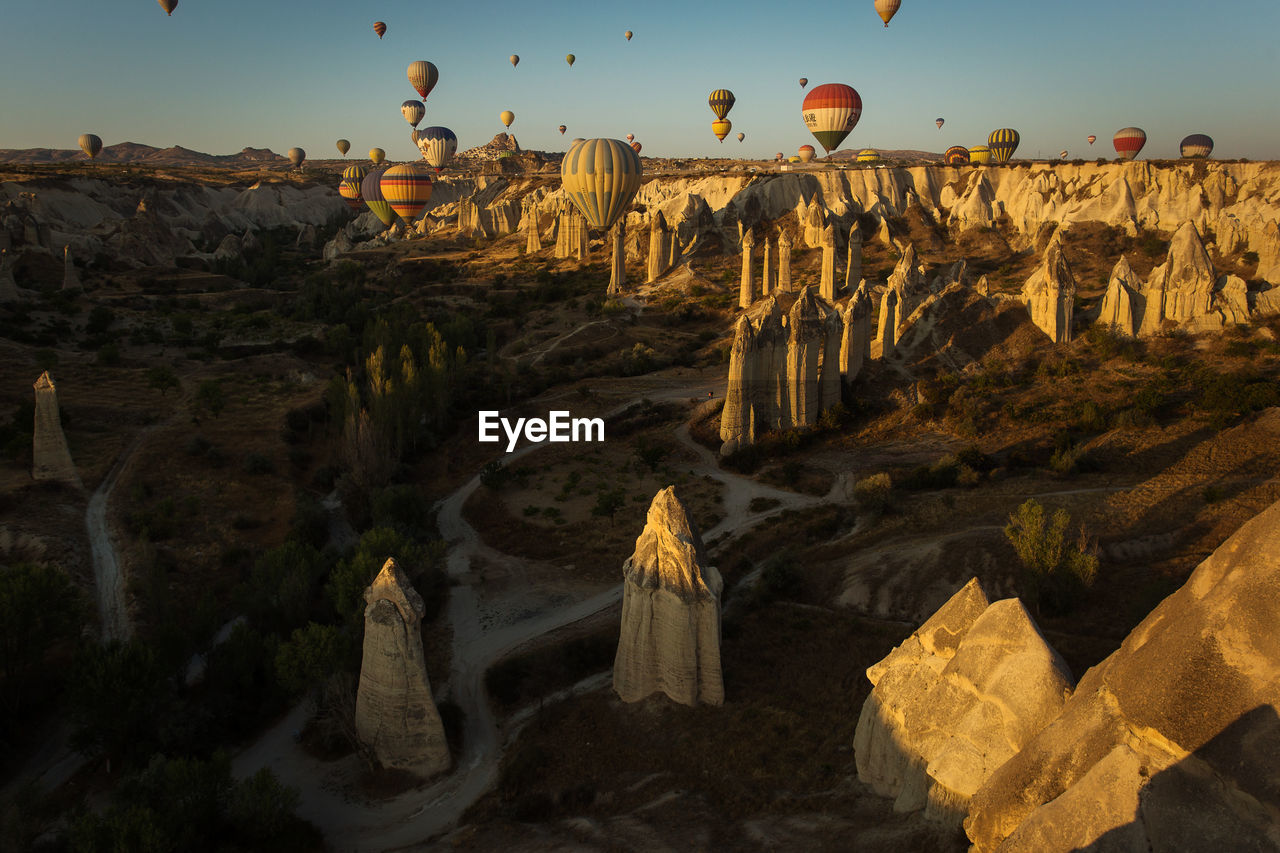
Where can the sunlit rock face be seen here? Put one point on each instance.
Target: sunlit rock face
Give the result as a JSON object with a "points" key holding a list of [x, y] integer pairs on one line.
{"points": [[1050, 295], [396, 716], [1117, 311], [1169, 744], [954, 702], [670, 638], [50, 458]]}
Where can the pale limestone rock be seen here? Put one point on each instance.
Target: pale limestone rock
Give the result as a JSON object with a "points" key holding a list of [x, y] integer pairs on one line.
{"points": [[1231, 297], [659, 260], [618, 259], [767, 285], [746, 288], [954, 702], [983, 286], [784, 262], [830, 371], [853, 272], [737, 427], [70, 278], [1117, 311], [396, 716], [229, 247], [50, 457], [1050, 295], [670, 636], [814, 222], [907, 281], [827, 284], [810, 327], [563, 249], [1181, 289], [887, 329], [307, 237], [533, 238], [855, 333], [1169, 744], [8, 287]]}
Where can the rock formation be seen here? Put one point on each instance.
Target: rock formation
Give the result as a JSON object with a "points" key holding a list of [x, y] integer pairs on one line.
{"points": [[827, 284], [814, 337], [533, 239], [737, 425], [746, 289], [670, 636], [50, 458], [396, 716], [767, 270], [853, 272], [1185, 290], [70, 278], [855, 333], [784, 262], [887, 328], [1050, 295], [1116, 312], [659, 260], [956, 700], [617, 258], [8, 287], [1170, 743], [909, 288]]}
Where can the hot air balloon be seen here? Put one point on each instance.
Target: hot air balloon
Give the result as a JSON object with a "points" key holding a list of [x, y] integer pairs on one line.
{"points": [[380, 28], [343, 147], [407, 188], [575, 141], [636, 146], [793, 159], [804, 81], [376, 155], [570, 58], [956, 155], [507, 117], [1062, 154], [830, 112], [631, 137], [980, 155], [1128, 141], [886, 9], [296, 156], [1196, 145], [353, 176], [423, 76], [563, 128], [437, 145], [371, 193], [779, 157], [90, 144], [1003, 143], [628, 35], [514, 60], [601, 177], [721, 127], [741, 136], [939, 121], [1091, 138], [721, 101], [168, 5], [350, 196], [806, 153], [413, 111], [868, 155]]}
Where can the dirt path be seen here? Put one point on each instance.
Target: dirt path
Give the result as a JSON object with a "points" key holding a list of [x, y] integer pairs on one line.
{"points": [[113, 610]]}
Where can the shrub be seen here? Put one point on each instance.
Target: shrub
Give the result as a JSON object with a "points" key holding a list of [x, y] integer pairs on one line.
{"points": [[1055, 575], [872, 493], [257, 463]]}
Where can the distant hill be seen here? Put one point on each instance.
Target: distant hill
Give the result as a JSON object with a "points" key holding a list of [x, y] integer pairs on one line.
{"points": [[136, 152], [886, 154]]}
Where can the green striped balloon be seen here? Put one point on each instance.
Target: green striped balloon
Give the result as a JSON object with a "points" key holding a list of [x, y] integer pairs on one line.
{"points": [[601, 176]]}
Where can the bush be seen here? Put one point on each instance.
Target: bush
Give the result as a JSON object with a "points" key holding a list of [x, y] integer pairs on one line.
{"points": [[257, 463], [1055, 575], [872, 493]]}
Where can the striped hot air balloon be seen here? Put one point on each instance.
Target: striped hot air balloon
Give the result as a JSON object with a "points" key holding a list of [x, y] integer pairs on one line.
{"points": [[350, 195], [804, 81], [1128, 141], [423, 76], [380, 28], [1092, 139], [806, 153], [939, 121], [563, 128], [437, 145], [1062, 154], [576, 140], [886, 9], [980, 155], [601, 177], [91, 144], [371, 193], [168, 5], [413, 111], [296, 156], [343, 147], [1003, 143], [407, 188], [868, 155], [956, 155], [830, 112], [1196, 145], [353, 176], [376, 156], [721, 101], [721, 127], [636, 146]]}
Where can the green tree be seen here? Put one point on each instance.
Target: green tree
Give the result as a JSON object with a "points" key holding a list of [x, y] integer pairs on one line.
{"points": [[608, 503], [424, 564], [39, 607], [1055, 574], [310, 656], [120, 697], [282, 583], [162, 379], [209, 397]]}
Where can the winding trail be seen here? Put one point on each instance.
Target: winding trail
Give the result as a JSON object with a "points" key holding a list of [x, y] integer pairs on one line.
{"points": [[113, 609]]}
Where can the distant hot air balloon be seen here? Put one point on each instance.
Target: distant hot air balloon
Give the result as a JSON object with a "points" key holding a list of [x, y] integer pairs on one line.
{"points": [[437, 145], [1063, 154], [376, 155], [353, 176], [601, 177], [793, 159], [380, 28], [343, 147], [90, 144], [830, 112], [407, 188], [570, 58], [956, 155], [980, 155], [563, 128], [868, 155], [423, 76], [1092, 139], [721, 101], [413, 111], [296, 156], [631, 137], [1196, 145], [351, 196], [721, 127], [514, 60], [806, 153], [628, 35], [371, 193], [779, 156], [507, 117], [636, 146], [1003, 143], [741, 136], [939, 121], [168, 5], [804, 81], [886, 9], [1128, 141]]}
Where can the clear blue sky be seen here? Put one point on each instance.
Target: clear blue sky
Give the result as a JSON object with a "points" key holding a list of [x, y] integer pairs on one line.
{"points": [[220, 75]]}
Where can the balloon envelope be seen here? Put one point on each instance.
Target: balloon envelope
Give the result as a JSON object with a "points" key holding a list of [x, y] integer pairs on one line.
{"points": [[830, 112], [413, 111], [423, 76], [343, 147], [1062, 154], [635, 146], [721, 101], [806, 153], [956, 155], [631, 137], [407, 188], [507, 117], [939, 122], [350, 195], [886, 9], [601, 177], [380, 28], [1196, 145], [868, 155], [1128, 141], [376, 155], [296, 156], [353, 176], [721, 127], [980, 155], [804, 81], [628, 34], [371, 192], [90, 144], [168, 5], [1091, 138], [569, 58], [1003, 143], [514, 60], [741, 136], [437, 145], [563, 128]]}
